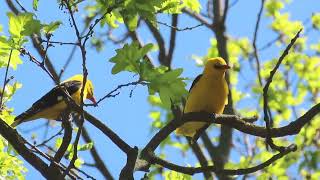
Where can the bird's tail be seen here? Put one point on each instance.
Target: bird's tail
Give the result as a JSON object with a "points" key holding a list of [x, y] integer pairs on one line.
{"points": [[189, 129], [16, 122], [20, 119]]}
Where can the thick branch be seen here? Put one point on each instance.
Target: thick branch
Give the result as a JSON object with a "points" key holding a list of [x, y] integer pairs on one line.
{"points": [[195, 170], [99, 164], [63, 147], [18, 144], [128, 170], [225, 138], [233, 121], [108, 132], [202, 159]]}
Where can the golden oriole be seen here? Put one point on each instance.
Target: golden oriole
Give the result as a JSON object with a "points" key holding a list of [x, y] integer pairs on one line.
{"points": [[208, 93], [51, 105]]}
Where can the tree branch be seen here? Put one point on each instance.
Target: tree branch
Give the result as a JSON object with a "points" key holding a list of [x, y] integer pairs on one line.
{"points": [[99, 164], [128, 169], [266, 109], [5, 81], [195, 170], [202, 159], [18, 144], [199, 18], [233, 121], [173, 35], [254, 43], [108, 132], [160, 41]]}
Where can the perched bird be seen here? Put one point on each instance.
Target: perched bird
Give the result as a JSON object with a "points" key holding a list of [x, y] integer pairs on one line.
{"points": [[51, 105], [208, 93]]}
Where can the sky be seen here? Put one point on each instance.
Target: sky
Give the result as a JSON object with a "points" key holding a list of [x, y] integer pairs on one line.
{"points": [[125, 115]]}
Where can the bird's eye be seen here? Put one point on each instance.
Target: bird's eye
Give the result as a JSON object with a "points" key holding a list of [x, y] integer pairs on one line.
{"points": [[217, 66]]}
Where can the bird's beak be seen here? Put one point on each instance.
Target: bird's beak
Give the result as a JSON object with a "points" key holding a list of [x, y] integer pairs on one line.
{"points": [[93, 100], [220, 66], [225, 67]]}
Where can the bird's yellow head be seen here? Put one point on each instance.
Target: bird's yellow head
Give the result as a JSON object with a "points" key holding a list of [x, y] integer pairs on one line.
{"points": [[216, 66], [88, 88]]}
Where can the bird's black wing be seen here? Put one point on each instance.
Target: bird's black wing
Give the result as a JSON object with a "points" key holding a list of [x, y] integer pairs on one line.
{"points": [[53, 97], [195, 81]]}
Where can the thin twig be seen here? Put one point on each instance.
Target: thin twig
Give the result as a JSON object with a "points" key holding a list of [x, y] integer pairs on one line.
{"points": [[91, 27], [45, 56], [21, 6], [49, 139], [225, 11], [198, 17], [23, 51], [85, 74], [268, 44], [60, 42], [111, 93], [254, 43], [173, 36], [180, 29], [5, 79], [266, 109]]}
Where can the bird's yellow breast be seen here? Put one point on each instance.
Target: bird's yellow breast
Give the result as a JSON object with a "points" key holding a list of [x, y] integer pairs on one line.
{"points": [[209, 95]]}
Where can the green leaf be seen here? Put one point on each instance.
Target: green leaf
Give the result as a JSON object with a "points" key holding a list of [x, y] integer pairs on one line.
{"points": [[193, 5], [35, 4], [171, 7], [284, 26], [30, 25], [164, 93], [10, 90], [273, 7], [50, 28], [5, 48], [58, 143], [132, 22], [78, 162], [130, 58], [7, 117], [169, 85], [168, 175], [112, 19], [22, 25], [316, 20], [85, 147]]}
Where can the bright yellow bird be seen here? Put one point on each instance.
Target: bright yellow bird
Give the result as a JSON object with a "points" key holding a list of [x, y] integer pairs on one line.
{"points": [[51, 105], [208, 93]]}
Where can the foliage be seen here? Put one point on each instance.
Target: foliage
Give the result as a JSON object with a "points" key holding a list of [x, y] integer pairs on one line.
{"points": [[158, 79]]}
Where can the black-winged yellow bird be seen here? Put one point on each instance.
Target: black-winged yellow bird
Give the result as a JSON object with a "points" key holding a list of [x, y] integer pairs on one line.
{"points": [[208, 93], [51, 105]]}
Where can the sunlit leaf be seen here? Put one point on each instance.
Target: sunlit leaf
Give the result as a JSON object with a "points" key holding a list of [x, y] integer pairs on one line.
{"points": [[50, 28]]}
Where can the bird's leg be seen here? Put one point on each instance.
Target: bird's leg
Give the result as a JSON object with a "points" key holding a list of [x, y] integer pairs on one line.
{"points": [[199, 133], [65, 116], [203, 129]]}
